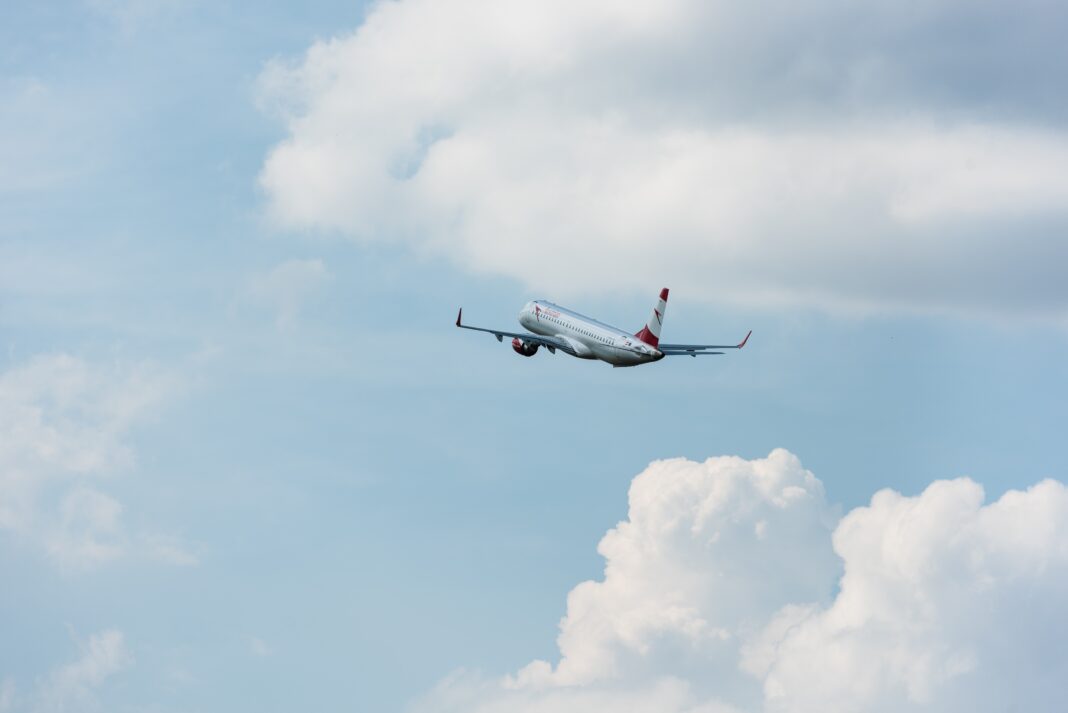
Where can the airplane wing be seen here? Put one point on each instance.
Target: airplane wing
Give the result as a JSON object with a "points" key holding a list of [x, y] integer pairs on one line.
{"points": [[548, 342], [699, 349]]}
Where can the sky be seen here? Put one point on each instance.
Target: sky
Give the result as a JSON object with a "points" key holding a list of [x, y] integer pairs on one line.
{"points": [[248, 463]]}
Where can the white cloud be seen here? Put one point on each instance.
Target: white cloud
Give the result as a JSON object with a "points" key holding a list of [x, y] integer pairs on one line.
{"points": [[945, 605], [64, 426], [689, 572], [801, 155], [89, 531], [287, 286], [74, 686], [471, 694], [719, 595], [259, 648], [168, 549]]}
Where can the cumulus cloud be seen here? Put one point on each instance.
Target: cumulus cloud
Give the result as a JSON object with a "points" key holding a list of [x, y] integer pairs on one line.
{"points": [[946, 604], [709, 551], [733, 586], [64, 425], [849, 158]]}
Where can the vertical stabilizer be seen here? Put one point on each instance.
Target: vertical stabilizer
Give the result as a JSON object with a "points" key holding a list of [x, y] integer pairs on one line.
{"points": [[650, 333]]}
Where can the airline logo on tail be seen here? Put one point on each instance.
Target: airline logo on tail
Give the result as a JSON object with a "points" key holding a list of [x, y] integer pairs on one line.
{"points": [[650, 333]]}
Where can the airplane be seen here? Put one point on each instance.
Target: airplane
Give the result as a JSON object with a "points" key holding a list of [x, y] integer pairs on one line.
{"points": [[556, 328]]}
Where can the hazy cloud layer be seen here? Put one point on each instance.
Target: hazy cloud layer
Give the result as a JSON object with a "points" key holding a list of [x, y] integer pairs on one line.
{"points": [[719, 594], [887, 156], [286, 287], [73, 686], [63, 430]]}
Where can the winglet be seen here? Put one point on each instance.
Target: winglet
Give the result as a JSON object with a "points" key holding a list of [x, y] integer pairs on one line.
{"points": [[458, 316], [740, 345]]}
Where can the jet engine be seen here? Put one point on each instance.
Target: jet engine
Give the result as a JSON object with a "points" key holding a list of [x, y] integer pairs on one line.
{"points": [[524, 348]]}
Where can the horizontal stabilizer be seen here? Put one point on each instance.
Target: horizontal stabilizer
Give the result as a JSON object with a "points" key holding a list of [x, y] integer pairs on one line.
{"points": [[691, 352], [701, 347]]}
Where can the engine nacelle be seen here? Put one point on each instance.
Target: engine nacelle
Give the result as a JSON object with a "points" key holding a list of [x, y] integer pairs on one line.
{"points": [[524, 348]]}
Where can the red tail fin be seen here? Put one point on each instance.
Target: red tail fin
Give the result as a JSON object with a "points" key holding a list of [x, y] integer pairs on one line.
{"points": [[650, 333]]}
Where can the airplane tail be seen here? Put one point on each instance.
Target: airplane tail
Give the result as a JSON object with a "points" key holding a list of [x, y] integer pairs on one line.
{"points": [[650, 333]]}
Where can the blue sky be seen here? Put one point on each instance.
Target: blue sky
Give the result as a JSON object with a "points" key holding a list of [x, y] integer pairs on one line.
{"points": [[250, 464]]}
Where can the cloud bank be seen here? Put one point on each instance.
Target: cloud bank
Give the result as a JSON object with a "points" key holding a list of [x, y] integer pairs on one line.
{"points": [[890, 157], [730, 587]]}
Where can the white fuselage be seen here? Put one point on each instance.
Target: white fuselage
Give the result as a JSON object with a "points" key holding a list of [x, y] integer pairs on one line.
{"points": [[588, 338]]}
